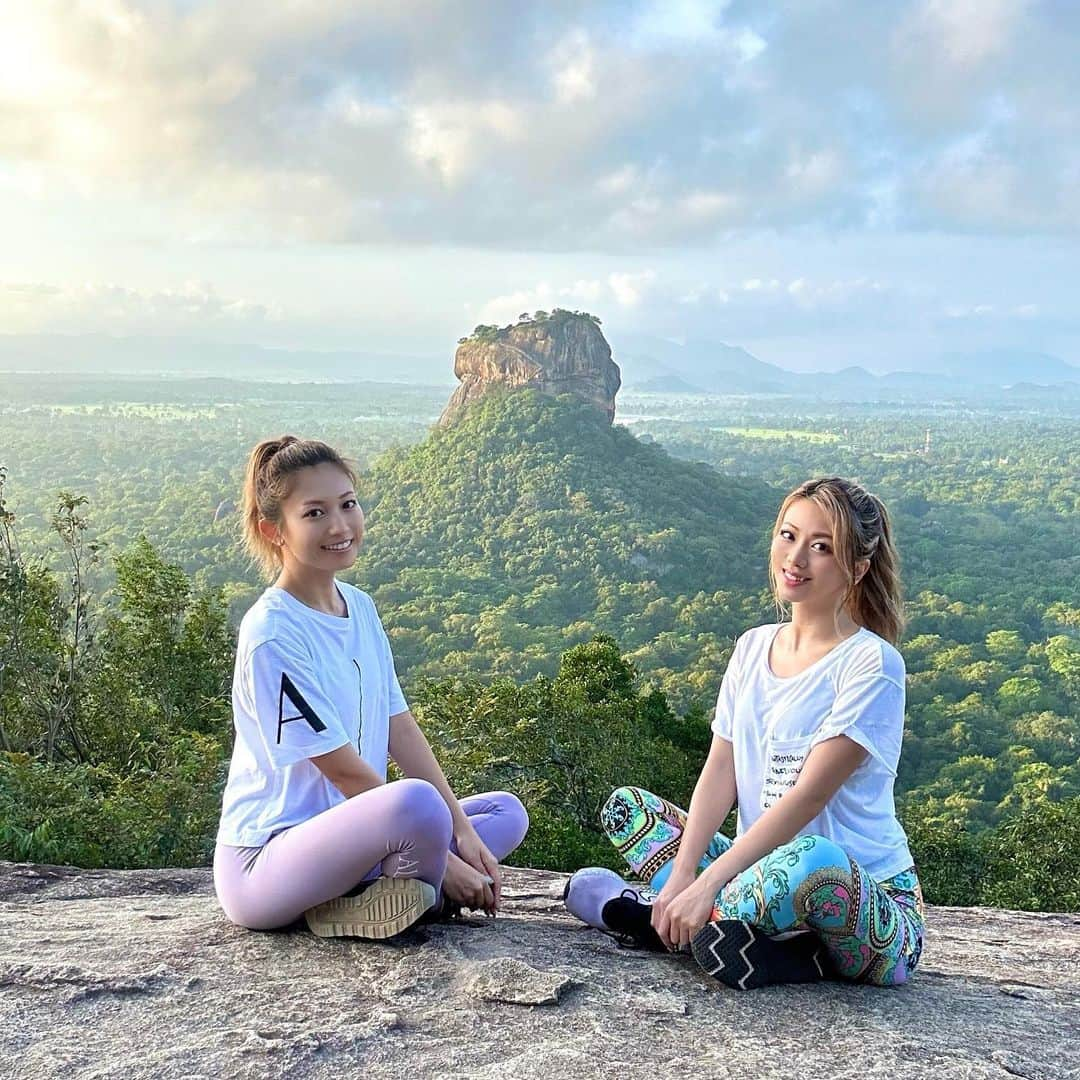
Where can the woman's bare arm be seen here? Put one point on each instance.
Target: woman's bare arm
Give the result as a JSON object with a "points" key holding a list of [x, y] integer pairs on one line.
{"points": [[412, 752], [826, 768], [714, 796], [347, 771], [472, 876]]}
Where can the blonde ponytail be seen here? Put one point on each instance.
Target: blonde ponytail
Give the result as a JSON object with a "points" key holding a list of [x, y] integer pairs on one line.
{"points": [[861, 529]]}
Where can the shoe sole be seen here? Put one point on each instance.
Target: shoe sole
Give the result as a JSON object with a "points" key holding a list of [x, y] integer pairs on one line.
{"points": [[389, 906], [734, 953]]}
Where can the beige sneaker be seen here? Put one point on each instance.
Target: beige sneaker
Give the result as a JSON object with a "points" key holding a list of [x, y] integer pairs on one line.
{"points": [[385, 908]]}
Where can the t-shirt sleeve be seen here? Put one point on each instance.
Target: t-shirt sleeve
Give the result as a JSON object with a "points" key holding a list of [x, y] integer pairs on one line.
{"points": [[725, 702], [395, 697], [295, 716], [869, 710]]}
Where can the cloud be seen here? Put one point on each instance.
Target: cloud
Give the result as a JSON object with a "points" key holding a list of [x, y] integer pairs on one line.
{"points": [[964, 33], [628, 289], [814, 174], [455, 140], [989, 311], [594, 126], [619, 290], [573, 75], [105, 307], [803, 305], [746, 308]]}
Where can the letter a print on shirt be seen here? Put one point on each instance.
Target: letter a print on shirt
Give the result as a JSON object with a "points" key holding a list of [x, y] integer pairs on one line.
{"points": [[296, 699]]}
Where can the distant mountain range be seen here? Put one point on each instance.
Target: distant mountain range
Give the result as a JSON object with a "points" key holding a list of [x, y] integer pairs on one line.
{"points": [[703, 366], [648, 364], [659, 366], [1008, 366]]}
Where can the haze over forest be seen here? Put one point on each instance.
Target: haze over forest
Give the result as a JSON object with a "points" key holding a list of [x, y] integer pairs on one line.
{"points": [[665, 366]]}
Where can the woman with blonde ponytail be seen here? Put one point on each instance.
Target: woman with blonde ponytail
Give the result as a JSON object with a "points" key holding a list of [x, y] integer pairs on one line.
{"points": [[309, 824], [819, 880]]}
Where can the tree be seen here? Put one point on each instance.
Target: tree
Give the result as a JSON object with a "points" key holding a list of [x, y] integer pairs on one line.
{"points": [[112, 724], [948, 858], [1063, 657], [46, 644], [562, 744], [1020, 694], [1026, 855], [1005, 645], [598, 668]]}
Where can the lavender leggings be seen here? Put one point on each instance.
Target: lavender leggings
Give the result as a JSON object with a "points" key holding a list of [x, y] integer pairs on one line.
{"points": [[401, 829]]}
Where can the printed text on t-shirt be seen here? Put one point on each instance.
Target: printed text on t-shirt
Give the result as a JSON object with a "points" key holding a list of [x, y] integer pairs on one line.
{"points": [[782, 770]]}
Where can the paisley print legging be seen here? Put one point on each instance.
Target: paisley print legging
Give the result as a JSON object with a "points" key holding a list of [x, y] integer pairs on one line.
{"points": [[873, 930]]}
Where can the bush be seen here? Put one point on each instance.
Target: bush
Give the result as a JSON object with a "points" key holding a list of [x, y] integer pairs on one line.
{"points": [[1031, 859], [553, 843], [562, 745], [92, 816], [949, 860]]}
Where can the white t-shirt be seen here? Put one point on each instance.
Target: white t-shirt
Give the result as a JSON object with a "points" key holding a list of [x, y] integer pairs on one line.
{"points": [[305, 683], [857, 690]]}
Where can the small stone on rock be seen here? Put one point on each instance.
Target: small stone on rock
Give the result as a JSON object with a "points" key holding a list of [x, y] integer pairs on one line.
{"points": [[514, 982]]}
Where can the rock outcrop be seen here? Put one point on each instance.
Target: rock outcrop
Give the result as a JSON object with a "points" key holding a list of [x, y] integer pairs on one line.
{"points": [[134, 974], [562, 353]]}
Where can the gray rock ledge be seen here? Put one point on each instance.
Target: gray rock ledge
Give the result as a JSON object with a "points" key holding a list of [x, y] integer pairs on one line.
{"points": [[111, 974]]}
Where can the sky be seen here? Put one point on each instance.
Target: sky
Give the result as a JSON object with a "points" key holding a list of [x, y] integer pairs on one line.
{"points": [[823, 183]]}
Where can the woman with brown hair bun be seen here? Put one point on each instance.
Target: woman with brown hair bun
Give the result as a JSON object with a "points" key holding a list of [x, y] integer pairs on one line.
{"points": [[309, 824]]}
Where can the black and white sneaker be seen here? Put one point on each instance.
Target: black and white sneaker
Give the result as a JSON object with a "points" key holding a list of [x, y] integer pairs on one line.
{"points": [[630, 922], [743, 957], [602, 899]]}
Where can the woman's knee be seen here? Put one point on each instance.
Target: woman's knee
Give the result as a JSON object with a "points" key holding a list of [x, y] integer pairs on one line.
{"points": [[421, 808], [622, 801], [808, 854], [628, 795], [513, 810]]}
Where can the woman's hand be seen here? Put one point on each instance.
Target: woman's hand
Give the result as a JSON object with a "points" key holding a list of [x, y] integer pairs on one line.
{"points": [[467, 886], [475, 853], [676, 884], [685, 915]]}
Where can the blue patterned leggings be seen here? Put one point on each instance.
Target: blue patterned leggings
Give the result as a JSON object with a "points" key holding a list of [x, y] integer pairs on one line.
{"points": [[873, 930]]}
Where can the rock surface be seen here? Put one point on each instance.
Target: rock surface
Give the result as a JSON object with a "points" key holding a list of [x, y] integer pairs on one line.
{"points": [[138, 974], [563, 354]]}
